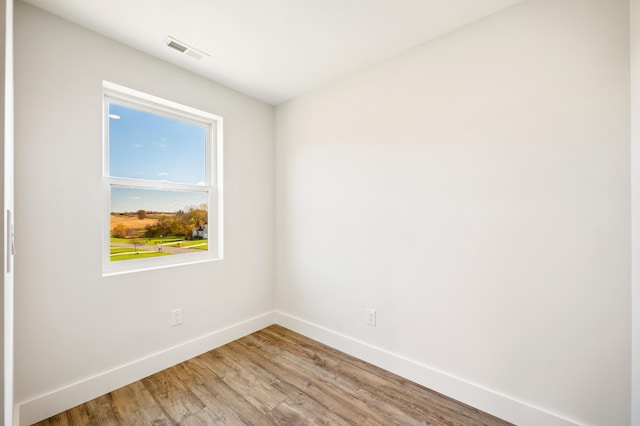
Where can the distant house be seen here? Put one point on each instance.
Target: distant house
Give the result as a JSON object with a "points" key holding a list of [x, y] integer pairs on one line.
{"points": [[200, 232]]}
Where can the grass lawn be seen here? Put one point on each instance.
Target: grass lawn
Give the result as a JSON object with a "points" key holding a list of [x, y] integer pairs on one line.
{"points": [[199, 243], [120, 240], [165, 240], [156, 240], [140, 255], [128, 253], [116, 250], [147, 240]]}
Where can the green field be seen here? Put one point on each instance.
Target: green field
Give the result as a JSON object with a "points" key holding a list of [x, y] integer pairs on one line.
{"points": [[133, 245], [139, 255], [118, 250], [196, 244]]}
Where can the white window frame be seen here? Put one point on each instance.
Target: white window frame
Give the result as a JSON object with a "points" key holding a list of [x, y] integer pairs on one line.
{"points": [[213, 181]]}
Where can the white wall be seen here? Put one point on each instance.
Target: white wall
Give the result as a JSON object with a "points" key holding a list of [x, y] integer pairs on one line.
{"points": [[475, 191], [72, 325]]}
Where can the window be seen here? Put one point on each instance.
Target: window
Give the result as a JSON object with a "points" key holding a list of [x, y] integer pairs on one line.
{"points": [[162, 179]]}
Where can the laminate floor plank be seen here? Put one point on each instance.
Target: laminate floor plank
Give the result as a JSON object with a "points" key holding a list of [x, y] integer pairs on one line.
{"points": [[231, 400], [218, 407], [98, 411], [375, 388], [300, 413], [384, 385], [134, 405], [57, 420], [246, 375], [351, 410], [206, 416], [273, 377], [252, 381], [312, 371], [173, 395]]}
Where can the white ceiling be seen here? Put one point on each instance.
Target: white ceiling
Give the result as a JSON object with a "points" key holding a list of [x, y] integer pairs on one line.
{"points": [[274, 50]]}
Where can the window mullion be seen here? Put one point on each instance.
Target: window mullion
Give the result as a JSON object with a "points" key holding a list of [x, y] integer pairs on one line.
{"points": [[139, 183]]}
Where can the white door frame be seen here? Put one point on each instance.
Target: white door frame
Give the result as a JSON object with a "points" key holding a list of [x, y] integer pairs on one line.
{"points": [[6, 130], [635, 209]]}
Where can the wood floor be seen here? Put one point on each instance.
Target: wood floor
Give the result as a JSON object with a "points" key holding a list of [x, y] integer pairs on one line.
{"points": [[273, 377]]}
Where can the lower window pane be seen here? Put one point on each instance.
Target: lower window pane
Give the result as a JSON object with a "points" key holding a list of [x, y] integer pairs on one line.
{"points": [[153, 222]]}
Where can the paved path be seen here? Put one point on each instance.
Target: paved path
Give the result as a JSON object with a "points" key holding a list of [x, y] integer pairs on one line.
{"points": [[167, 248]]}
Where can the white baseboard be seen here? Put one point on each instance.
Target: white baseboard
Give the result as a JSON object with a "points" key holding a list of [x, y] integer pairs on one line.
{"points": [[494, 403], [503, 406], [62, 399]]}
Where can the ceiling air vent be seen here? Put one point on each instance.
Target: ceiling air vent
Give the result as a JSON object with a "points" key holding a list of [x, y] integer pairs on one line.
{"points": [[186, 49]]}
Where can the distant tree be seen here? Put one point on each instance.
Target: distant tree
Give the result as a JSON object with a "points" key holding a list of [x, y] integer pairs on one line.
{"points": [[119, 231], [141, 214], [181, 224], [161, 227]]}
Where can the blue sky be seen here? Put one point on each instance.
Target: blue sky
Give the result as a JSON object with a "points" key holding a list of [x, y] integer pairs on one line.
{"points": [[152, 147]]}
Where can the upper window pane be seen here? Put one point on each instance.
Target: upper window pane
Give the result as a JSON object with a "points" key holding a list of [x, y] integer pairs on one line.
{"points": [[148, 146]]}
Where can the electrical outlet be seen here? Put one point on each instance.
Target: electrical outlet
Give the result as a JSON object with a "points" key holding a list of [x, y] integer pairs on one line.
{"points": [[371, 317], [176, 317]]}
